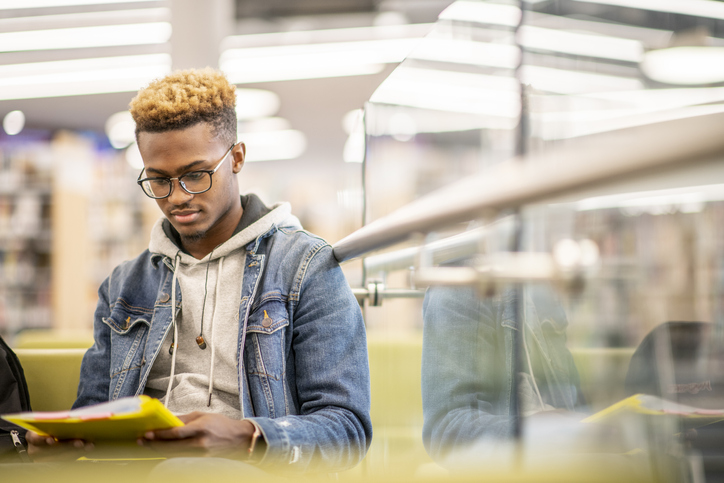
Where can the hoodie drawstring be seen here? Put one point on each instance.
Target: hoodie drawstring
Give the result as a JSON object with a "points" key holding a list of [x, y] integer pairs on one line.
{"points": [[175, 327], [213, 324]]}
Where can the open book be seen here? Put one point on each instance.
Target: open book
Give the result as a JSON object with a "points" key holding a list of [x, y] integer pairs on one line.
{"points": [[655, 406], [123, 419]]}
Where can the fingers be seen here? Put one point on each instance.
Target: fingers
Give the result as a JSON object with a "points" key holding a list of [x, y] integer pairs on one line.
{"points": [[34, 438], [187, 418], [180, 432]]}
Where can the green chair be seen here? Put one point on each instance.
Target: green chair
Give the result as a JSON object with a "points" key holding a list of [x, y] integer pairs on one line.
{"points": [[53, 339], [52, 376]]}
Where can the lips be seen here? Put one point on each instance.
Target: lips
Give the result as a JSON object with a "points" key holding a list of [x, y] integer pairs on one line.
{"points": [[185, 216]]}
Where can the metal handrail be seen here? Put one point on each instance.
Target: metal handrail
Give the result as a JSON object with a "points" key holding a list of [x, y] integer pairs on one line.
{"points": [[595, 161]]}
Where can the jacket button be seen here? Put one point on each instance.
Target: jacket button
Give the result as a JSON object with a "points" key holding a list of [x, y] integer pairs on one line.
{"points": [[164, 298], [267, 322]]}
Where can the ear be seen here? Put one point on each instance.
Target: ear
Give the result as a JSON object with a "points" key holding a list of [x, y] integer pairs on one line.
{"points": [[239, 154]]}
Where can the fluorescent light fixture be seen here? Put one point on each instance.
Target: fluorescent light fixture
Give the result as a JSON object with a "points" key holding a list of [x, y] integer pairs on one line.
{"points": [[264, 124], [14, 122], [687, 200], [355, 146], [121, 129], [574, 82], [695, 8], [18, 4], [581, 44], [484, 95], [256, 103], [273, 145], [660, 99], [81, 37], [81, 77], [435, 121], [468, 52], [482, 12], [571, 124], [685, 65], [351, 120], [311, 61]]}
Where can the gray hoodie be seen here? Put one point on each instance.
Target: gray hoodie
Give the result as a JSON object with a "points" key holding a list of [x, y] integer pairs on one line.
{"points": [[206, 379]]}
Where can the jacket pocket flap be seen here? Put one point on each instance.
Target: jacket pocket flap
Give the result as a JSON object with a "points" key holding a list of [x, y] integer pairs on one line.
{"points": [[124, 317], [268, 318]]}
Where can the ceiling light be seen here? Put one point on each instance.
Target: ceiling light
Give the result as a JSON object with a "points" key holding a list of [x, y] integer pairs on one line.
{"points": [[255, 103], [14, 122], [133, 156], [685, 65], [82, 76], [355, 146], [481, 12], [695, 8], [311, 61], [435, 121], [15, 4], [561, 81], [351, 120], [83, 37], [479, 94], [580, 44], [402, 126], [461, 51], [273, 145], [121, 129], [264, 124]]}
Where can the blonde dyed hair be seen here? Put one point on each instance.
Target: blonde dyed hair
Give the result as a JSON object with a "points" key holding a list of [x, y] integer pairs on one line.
{"points": [[184, 99]]}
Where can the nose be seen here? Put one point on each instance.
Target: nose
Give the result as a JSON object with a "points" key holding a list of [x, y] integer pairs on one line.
{"points": [[178, 195]]}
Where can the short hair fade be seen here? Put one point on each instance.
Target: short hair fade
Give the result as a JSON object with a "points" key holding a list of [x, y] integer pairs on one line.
{"points": [[185, 98]]}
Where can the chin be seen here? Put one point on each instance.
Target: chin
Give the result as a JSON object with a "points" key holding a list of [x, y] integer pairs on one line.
{"points": [[193, 237]]}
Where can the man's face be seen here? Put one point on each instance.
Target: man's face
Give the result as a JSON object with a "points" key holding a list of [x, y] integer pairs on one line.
{"points": [[174, 153]]}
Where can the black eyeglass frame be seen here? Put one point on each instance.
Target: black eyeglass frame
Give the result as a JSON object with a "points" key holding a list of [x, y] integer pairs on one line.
{"points": [[170, 181]]}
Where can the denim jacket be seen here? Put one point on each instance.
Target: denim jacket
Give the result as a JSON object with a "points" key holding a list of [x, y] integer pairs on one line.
{"points": [[306, 376]]}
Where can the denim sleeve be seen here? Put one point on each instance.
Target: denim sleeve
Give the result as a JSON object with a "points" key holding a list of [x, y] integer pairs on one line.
{"points": [[95, 379], [329, 351], [464, 371]]}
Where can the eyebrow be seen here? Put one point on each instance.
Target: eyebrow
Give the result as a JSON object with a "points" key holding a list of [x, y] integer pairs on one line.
{"points": [[184, 169]]}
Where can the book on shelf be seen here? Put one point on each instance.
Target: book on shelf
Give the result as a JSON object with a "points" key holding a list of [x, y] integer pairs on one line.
{"points": [[123, 419]]}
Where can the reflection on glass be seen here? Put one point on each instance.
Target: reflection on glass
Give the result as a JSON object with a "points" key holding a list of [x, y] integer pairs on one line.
{"points": [[469, 382], [495, 79]]}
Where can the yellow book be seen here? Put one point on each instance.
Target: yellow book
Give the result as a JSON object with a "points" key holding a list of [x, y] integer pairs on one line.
{"points": [[656, 406], [123, 419]]}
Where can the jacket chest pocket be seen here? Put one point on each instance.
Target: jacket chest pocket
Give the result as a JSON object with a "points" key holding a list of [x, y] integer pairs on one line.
{"points": [[129, 327], [265, 344]]}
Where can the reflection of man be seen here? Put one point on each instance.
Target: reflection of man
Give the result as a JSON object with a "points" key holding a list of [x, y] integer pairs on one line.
{"points": [[467, 365], [235, 317]]}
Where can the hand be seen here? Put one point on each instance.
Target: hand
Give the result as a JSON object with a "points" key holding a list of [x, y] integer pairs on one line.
{"points": [[46, 448], [204, 433]]}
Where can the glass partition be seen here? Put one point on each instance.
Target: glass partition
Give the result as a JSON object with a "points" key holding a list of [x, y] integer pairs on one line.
{"points": [[576, 338]]}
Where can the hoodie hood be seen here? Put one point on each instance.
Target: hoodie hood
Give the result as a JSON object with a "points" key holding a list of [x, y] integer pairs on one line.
{"points": [[279, 215]]}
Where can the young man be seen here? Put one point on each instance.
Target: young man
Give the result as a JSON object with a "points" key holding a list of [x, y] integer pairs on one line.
{"points": [[235, 317]]}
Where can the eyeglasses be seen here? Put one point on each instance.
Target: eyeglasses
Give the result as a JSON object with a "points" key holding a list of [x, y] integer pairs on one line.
{"points": [[193, 183]]}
